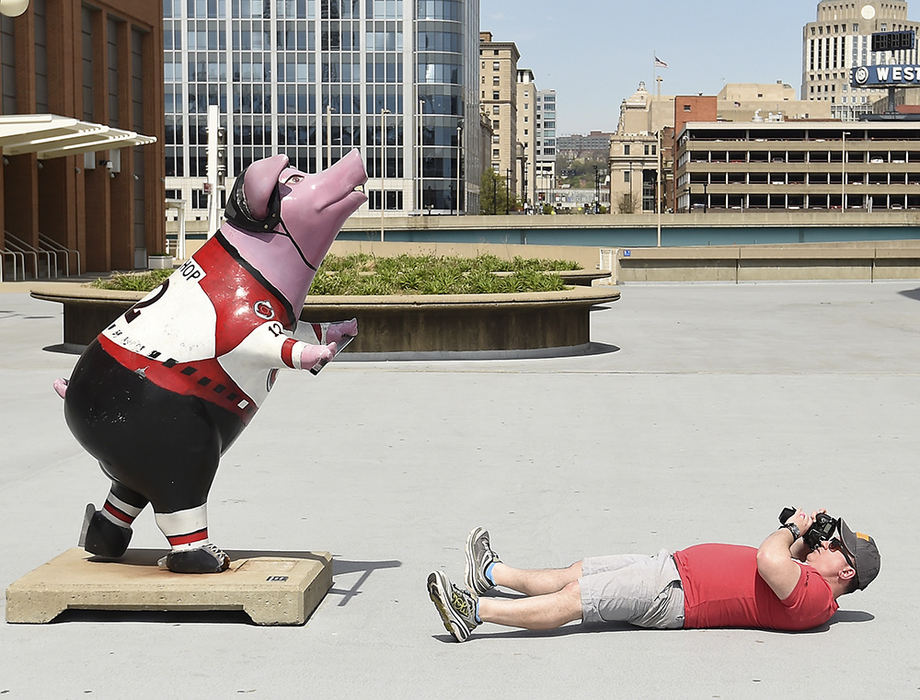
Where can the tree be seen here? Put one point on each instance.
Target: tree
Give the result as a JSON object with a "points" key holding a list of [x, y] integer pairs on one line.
{"points": [[627, 204], [494, 197]]}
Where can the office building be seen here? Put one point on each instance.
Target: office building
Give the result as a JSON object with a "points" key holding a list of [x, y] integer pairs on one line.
{"points": [[840, 40], [314, 79], [527, 135], [809, 166], [594, 144], [81, 137], [498, 73], [546, 141]]}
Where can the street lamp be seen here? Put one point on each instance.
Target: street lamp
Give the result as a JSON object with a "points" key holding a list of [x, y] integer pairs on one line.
{"points": [[421, 157], [459, 156], [658, 188], [328, 135], [383, 161]]}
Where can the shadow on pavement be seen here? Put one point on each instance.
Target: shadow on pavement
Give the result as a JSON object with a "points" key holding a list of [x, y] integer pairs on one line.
{"points": [[345, 566], [841, 616]]}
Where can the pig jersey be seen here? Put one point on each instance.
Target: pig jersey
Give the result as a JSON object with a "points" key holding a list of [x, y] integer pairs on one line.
{"points": [[214, 329]]}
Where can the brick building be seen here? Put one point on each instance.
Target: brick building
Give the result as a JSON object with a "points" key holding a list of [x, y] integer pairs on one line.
{"points": [[81, 133]]}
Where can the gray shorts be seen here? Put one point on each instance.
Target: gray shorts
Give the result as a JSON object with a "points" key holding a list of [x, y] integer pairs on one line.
{"points": [[643, 590]]}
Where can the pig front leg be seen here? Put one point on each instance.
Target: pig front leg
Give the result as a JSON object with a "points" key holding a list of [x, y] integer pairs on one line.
{"points": [[271, 346], [341, 333]]}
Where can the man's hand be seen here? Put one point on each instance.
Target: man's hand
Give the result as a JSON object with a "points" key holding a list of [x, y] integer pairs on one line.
{"points": [[775, 562]]}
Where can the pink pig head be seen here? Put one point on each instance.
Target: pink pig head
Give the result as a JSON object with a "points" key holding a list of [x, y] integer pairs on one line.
{"points": [[283, 221]]}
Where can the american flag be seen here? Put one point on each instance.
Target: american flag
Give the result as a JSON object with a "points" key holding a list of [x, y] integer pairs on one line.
{"points": [[659, 63]]}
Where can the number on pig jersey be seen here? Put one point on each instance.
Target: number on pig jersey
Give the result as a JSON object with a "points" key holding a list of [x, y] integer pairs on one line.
{"points": [[134, 311]]}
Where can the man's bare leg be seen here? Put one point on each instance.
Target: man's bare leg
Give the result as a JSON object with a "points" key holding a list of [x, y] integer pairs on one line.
{"points": [[535, 582], [539, 612]]}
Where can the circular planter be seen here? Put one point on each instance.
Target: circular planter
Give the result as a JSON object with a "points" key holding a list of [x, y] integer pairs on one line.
{"points": [[395, 324]]}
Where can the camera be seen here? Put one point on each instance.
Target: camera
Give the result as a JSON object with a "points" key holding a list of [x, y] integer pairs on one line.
{"points": [[822, 529]]}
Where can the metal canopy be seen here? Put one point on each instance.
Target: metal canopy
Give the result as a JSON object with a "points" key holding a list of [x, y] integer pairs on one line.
{"points": [[53, 136]]}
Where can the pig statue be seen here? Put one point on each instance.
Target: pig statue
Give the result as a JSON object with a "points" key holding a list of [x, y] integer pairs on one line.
{"points": [[162, 392]]}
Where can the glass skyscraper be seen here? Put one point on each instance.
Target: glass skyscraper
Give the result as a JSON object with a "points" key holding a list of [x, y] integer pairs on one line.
{"points": [[396, 79]]}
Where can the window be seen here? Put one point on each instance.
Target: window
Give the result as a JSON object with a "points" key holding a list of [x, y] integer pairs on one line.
{"points": [[495, 124], [496, 65], [495, 95], [686, 108], [625, 149], [496, 80], [496, 109]]}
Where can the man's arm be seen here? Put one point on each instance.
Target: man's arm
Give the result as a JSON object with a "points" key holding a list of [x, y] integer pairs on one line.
{"points": [[775, 562]]}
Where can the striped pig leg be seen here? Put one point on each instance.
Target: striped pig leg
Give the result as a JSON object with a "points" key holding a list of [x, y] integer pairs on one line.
{"points": [[192, 551], [107, 532]]}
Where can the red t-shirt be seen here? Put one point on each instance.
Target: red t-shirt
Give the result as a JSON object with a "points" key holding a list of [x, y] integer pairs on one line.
{"points": [[723, 589]]}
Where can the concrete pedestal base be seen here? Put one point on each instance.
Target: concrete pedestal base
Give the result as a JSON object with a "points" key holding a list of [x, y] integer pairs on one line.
{"points": [[282, 589]]}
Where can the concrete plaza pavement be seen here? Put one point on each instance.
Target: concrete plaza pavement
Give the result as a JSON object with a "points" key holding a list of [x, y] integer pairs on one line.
{"points": [[706, 409]]}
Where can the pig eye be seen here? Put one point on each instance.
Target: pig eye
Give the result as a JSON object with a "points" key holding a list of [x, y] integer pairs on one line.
{"points": [[293, 179]]}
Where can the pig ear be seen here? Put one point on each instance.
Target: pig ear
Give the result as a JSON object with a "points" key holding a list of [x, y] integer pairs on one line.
{"points": [[261, 180]]}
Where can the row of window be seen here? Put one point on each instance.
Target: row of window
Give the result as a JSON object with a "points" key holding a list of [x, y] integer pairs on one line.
{"points": [[300, 39], [328, 9], [648, 149], [800, 178], [780, 157], [803, 201]]}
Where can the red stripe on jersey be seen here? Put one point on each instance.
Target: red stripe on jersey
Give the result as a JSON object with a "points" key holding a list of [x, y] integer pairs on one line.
{"points": [[186, 378], [287, 352], [121, 515], [241, 302], [318, 329], [189, 538]]}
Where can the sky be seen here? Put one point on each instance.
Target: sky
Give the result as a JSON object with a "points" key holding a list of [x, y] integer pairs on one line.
{"points": [[595, 52]]}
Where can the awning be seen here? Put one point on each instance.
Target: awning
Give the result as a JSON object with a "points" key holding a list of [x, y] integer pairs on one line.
{"points": [[53, 136]]}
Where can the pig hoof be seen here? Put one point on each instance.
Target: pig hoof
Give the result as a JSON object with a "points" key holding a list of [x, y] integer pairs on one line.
{"points": [[102, 537], [317, 355], [203, 560]]}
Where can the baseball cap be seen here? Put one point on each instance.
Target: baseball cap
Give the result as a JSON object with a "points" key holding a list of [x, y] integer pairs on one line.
{"points": [[866, 558]]}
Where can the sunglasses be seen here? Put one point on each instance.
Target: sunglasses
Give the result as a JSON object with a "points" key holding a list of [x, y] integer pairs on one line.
{"points": [[836, 545]]}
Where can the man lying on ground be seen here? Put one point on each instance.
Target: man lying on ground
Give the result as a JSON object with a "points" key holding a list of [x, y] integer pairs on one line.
{"points": [[791, 582]]}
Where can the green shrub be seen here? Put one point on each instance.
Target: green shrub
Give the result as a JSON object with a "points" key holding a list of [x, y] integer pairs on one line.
{"points": [[363, 274], [134, 281]]}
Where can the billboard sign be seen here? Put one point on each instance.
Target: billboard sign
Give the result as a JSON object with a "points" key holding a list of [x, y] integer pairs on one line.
{"points": [[885, 76]]}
